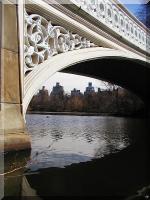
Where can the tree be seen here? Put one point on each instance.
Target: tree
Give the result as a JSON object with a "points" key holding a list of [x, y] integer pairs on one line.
{"points": [[75, 103]]}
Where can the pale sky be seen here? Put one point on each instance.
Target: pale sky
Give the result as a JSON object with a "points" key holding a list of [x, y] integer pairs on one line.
{"points": [[70, 81], [133, 1]]}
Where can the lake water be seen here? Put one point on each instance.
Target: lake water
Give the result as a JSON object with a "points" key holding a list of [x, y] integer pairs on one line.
{"points": [[85, 155], [58, 141]]}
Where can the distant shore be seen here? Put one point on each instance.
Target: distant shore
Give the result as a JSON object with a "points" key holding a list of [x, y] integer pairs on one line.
{"points": [[67, 113], [81, 114]]}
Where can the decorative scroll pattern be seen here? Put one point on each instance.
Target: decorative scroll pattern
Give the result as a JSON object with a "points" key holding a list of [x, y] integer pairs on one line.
{"points": [[43, 40], [107, 12]]}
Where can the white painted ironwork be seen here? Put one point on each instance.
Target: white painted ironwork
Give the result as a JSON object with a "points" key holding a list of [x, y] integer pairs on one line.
{"points": [[110, 14], [43, 40]]}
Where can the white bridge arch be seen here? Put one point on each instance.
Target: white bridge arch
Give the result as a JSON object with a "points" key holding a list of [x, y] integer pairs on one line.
{"points": [[35, 79], [51, 48]]}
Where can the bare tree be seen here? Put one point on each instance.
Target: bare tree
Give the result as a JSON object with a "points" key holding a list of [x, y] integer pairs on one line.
{"points": [[110, 86]]}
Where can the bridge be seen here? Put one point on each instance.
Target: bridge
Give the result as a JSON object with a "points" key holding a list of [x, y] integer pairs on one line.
{"points": [[95, 38]]}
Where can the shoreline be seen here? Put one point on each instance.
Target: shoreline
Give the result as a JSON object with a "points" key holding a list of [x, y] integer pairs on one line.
{"points": [[83, 114]]}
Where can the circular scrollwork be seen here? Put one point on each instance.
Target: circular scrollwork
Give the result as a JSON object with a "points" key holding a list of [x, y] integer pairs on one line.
{"points": [[43, 40]]}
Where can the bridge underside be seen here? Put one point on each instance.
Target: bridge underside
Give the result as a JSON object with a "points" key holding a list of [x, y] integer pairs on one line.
{"points": [[127, 73]]}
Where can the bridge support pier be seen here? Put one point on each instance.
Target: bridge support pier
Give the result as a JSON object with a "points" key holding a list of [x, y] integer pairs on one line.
{"points": [[13, 135]]}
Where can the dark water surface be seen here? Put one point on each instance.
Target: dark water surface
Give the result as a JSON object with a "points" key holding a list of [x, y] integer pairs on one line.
{"points": [[82, 156]]}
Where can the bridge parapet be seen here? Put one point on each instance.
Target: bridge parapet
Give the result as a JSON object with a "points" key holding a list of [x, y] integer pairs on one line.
{"points": [[115, 16], [44, 40]]}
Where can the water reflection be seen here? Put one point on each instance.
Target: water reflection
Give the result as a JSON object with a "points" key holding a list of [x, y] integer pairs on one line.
{"points": [[81, 156], [73, 139], [15, 165]]}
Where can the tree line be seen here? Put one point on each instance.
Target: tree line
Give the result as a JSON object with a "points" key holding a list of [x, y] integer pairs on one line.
{"points": [[113, 101]]}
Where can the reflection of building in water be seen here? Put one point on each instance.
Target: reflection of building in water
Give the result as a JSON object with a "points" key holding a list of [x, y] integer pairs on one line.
{"points": [[89, 90], [75, 92], [58, 90]]}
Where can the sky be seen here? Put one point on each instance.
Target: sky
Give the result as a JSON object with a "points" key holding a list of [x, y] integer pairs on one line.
{"points": [[134, 6], [69, 81], [131, 1]]}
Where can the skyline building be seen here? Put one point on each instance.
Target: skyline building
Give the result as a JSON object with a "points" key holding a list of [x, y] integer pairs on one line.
{"points": [[43, 95], [76, 92], [57, 90], [90, 89]]}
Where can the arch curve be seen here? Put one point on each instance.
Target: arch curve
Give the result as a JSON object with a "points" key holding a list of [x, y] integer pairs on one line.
{"points": [[96, 62]]}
